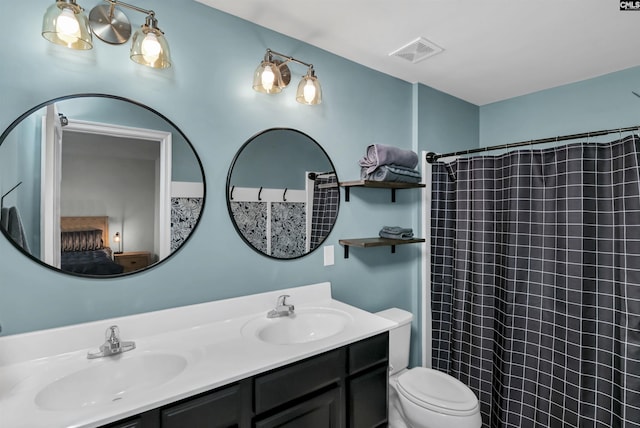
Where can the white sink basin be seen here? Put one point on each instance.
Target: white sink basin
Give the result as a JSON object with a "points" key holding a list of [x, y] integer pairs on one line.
{"points": [[305, 325], [110, 379]]}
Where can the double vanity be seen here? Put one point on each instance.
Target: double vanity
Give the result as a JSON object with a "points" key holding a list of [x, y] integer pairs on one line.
{"points": [[293, 357], [261, 360]]}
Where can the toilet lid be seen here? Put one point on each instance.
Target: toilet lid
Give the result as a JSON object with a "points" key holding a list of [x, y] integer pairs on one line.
{"points": [[437, 390]]}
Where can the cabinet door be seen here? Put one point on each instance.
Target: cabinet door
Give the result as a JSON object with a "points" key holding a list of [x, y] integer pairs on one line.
{"points": [[149, 419], [369, 353], [368, 399], [321, 411], [132, 423], [293, 382], [219, 409]]}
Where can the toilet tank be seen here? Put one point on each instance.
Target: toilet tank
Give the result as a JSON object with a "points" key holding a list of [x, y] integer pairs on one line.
{"points": [[399, 338]]}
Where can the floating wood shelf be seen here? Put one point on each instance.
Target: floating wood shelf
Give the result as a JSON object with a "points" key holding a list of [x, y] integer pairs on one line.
{"points": [[393, 185], [375, 242]]}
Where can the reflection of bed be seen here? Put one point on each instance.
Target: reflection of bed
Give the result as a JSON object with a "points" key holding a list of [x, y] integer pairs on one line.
{"points": [[84, 242]]}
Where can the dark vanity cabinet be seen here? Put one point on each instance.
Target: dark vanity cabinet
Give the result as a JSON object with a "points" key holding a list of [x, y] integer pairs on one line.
{"points": [[367, 378], [343, 388], [307, 393], [222, 408]]}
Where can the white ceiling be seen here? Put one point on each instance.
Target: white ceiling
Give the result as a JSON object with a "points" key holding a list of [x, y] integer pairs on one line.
{"points": [[493, 49]]}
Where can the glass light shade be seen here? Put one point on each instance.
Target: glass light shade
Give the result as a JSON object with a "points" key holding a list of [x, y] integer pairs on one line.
{"points": [[65, 24], [309, 91], [149, 47], [267, 78]]}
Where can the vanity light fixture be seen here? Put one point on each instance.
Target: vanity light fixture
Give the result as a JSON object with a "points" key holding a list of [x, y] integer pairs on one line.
{"points": [[66, 24], [273, 75], [116, 238]]}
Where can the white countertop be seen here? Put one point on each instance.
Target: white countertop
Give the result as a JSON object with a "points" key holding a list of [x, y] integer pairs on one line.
{"points": [[208, 336]]}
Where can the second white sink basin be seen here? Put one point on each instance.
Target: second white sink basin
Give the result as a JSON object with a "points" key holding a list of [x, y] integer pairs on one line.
{"points": [[305, 325], [110, 379]]}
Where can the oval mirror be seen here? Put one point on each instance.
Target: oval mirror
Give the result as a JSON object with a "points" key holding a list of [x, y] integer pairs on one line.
{"points": [[282, 193], [98, 185]]}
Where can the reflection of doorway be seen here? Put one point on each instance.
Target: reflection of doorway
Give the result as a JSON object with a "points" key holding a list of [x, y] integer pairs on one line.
{"points": [[109, 154]]}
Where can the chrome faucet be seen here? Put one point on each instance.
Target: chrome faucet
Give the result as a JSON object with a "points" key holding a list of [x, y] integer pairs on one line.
{"points": [[112, 345], [282, 308]]}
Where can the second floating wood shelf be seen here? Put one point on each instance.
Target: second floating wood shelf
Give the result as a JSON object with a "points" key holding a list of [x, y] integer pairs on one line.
{"points": [[393, 185], [375, 242]]}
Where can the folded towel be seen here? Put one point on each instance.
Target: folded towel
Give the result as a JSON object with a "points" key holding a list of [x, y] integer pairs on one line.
{"points": [[396, 232], [380, 154], [392, 173], [396, 229]]}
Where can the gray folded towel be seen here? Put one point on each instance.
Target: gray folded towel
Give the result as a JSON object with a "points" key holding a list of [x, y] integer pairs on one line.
{"points": [[381, 154], [392, 173], [396, 232]]}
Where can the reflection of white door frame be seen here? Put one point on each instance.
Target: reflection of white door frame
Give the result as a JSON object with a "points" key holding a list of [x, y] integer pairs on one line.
{"points": [[163, 176], [50, 163]]}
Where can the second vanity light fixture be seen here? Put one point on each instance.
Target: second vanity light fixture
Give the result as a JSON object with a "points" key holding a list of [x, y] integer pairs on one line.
{"points": [[65, 24], [273, 75]]}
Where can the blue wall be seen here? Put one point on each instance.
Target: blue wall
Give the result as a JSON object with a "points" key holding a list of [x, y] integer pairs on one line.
{"points": [[444, 123], [208, 95], [278, 159], [604, 102], [21, 166]]}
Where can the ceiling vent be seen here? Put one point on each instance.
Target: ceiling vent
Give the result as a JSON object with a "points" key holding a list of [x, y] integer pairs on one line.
{"points": [[417, 50]]}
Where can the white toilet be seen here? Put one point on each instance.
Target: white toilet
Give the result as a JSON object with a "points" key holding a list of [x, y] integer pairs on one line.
{"points": [[422, 397]]}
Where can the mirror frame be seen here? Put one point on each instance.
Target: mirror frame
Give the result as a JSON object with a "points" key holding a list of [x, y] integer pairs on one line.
{"points": [[44, 104], [228, 186]]}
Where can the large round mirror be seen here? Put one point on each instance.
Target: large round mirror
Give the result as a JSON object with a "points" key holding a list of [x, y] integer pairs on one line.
{"points": [[97, 185], [282, 193]]}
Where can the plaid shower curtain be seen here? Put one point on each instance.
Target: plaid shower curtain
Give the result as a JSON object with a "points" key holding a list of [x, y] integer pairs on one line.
{"points": [[536, 283], [326, 200]]}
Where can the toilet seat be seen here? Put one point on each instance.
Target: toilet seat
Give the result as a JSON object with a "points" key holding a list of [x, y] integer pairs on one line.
{"points": [[437, 391]]}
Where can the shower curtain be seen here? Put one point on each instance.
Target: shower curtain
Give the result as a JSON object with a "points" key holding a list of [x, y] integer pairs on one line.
{"points": [[326, 199], [536, 283]]}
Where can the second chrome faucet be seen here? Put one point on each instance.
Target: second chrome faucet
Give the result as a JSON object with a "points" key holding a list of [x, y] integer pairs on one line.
{"points": [[282, 309], [112, 345]]}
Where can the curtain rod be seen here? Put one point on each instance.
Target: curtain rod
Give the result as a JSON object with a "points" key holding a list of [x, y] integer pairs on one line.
{"points": [[432, 157]]}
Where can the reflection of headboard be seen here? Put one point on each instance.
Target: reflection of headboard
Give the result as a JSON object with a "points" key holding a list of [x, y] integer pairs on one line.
{"points": [[85, 223]]}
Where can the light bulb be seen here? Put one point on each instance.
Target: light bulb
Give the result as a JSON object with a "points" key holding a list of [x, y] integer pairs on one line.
{"points": [[150, 48], [309, 91], [268, 78], [67, 26]]}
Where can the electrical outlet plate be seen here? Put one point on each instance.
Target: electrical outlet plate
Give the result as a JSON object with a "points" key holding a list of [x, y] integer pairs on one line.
{"points": [[329, 258]]}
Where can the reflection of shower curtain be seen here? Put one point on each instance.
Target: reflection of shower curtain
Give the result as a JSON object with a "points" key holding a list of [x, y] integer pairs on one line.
{"points": [[326, 198], [536, 284]]}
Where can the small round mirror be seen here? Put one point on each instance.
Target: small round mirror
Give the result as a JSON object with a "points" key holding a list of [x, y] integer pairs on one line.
{"points": [[282, 193]]}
